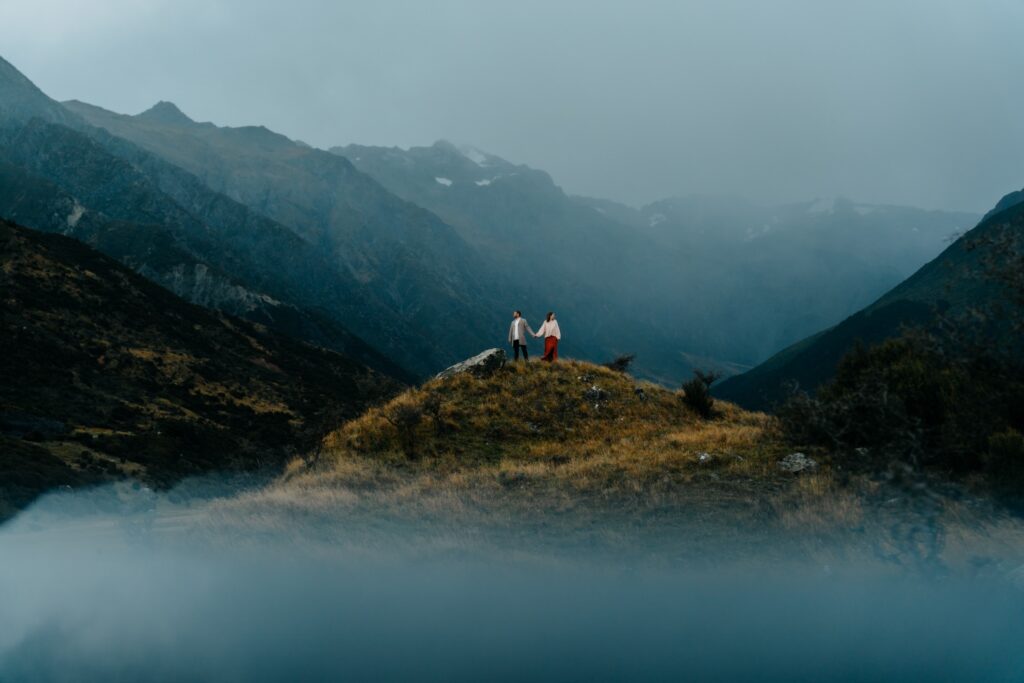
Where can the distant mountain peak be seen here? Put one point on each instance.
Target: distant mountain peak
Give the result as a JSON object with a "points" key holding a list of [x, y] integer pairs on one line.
{"points": [[20, 99], [473, 154], [445, 145], [1010, 200], [165, 112], [11, 76]]}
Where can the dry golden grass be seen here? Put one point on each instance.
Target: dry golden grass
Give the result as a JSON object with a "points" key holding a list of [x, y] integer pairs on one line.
{"points": [[529, 454], [529, 447]]}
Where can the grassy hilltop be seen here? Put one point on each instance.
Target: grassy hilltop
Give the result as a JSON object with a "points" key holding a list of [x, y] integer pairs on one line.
{"points": [[546, 452], [574, 456]]}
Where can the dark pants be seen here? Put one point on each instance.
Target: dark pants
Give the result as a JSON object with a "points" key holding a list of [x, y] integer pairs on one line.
{"points": [[518, 345]]}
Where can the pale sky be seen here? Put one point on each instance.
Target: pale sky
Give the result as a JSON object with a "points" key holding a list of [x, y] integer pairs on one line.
{"points": [[914, 102]]}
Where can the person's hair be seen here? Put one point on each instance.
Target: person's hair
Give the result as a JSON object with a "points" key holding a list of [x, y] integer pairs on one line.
{"points": [[519, 313], [551, 314]]}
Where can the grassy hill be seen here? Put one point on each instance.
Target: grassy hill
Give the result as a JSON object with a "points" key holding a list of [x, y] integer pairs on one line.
{"points": [[544, 460], [544, 453], [107, 375]]}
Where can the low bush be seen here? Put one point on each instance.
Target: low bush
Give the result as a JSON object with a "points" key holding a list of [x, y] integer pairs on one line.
{"points": [[405, 417], [905, 400], [697, 393], [621, 363]]}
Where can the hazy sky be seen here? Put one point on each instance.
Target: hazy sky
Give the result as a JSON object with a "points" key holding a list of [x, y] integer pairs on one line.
{"points": [[905, 101]]}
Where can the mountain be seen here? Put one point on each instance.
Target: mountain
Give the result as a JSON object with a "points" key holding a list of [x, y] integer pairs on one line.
{"points": [[559, 253], [108, 375], [212, 250], [713, 278], [352, 259], [177, 262], [21, 100], [423, 252], [949, 283], [780, 273], [418, 279]]}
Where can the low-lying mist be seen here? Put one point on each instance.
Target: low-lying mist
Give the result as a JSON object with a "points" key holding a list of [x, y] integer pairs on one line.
{"points": [[119, 585]]}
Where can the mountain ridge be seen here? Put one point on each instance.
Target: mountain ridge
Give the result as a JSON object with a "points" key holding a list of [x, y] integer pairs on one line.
{"points": [[109, 375], [949, 284]]}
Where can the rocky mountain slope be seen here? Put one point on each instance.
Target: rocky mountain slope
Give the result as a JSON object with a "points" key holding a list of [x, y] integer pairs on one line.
{"points": [[196, 267], [82, 181], [952, 283], [412, 269], [108, 375]]}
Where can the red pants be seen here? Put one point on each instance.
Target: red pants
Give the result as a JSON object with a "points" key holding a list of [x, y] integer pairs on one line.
{"points": [[550, 349]]}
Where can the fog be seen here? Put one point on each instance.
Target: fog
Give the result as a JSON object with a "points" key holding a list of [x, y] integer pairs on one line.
{"points": [[143, 590], [911, 103]]}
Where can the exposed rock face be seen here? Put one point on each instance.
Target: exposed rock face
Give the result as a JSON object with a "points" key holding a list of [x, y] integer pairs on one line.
{"points": [[481, 365], [797, 462]]}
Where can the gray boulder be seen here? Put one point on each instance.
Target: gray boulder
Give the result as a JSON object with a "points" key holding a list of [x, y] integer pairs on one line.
{"points": [[481, 365], [797, 462]]}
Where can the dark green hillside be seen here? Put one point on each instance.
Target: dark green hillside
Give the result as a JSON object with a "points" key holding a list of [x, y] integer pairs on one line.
{"points": [[951, 283], [108, 375]]}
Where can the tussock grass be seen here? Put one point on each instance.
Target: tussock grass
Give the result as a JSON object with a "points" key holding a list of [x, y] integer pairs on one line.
{"points": [[543, 453], [571, 424], [539, 448]]}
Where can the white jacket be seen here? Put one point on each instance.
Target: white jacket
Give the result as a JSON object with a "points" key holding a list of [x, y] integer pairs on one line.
{"points": [[550, 329]]}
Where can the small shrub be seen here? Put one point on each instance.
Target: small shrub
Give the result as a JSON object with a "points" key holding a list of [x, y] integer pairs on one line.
{"points": [[621, 363], [432, 406], [405, 417], [697, 393]]}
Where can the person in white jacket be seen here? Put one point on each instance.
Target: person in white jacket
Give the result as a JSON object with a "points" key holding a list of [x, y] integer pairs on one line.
{"points": [[549, 330]]}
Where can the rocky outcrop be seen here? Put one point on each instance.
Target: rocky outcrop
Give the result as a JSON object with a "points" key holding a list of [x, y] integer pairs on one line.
{"points": [[797, 463], [481, 365]]}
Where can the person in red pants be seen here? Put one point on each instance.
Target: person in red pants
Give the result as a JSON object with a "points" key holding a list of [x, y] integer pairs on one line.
{"points": [[549, 330]]}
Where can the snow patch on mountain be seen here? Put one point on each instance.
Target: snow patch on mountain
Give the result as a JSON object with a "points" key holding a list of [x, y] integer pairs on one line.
{"points": [[822, 206], [482, 183], [77, 211], [657, 219], [474, 155], [447, 182]]}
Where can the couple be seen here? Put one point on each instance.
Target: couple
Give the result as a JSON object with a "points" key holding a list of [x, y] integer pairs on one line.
{"points": [[549, 330]]}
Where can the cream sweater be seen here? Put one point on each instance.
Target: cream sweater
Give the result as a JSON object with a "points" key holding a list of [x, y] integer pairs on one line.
{"points": [[550, 329]]}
